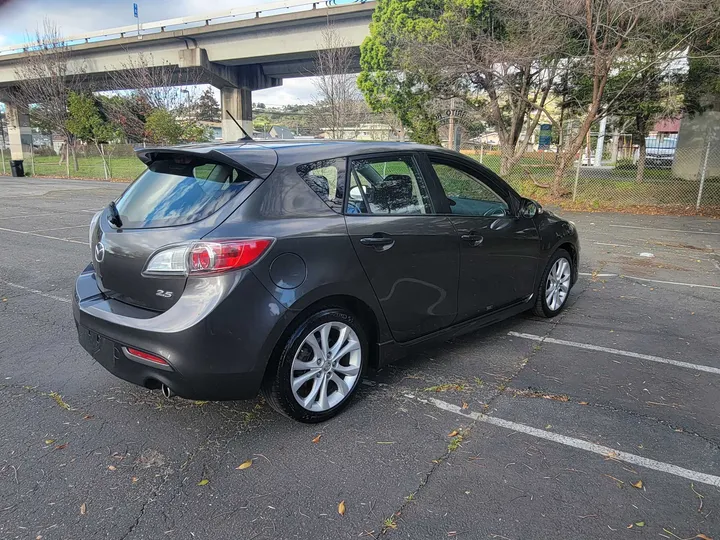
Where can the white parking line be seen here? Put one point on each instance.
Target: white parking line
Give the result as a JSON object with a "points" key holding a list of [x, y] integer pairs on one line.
{"points": [[63, 228], [35, 291], [34, 215], [673, 282], [666, 230], [44, 236], [619, 352], [613, 245], [576, 443], [596, 275]]}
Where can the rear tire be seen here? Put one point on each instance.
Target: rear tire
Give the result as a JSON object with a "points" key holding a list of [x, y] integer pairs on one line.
{"points": [[555, 283], [320, 367]]}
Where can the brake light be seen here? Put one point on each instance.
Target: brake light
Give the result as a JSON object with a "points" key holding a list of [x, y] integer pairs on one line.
{"points": [[212, 257], [202, 258], [147, 356]]}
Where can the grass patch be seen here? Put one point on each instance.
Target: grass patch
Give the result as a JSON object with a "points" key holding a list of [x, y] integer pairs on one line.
{"points": [[121, 168], [59, 400], [455, 443], [479, 381], [389, 523]]}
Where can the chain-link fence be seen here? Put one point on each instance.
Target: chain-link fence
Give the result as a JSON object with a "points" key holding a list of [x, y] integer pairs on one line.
{"points": [[616, 174], [108, 161], [624, 174]]}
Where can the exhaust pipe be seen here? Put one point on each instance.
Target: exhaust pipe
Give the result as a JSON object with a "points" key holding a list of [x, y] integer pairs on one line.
{"points": [[166, 391]]}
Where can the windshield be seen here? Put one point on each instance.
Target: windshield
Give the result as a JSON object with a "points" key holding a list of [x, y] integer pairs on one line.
{"points": [[178, 191]]}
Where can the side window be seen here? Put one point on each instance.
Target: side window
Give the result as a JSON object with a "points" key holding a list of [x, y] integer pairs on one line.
{"points": [[327, 179], [468, 195], [387, 186]]}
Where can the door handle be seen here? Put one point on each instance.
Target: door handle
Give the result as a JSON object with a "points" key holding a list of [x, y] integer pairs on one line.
{"points": [[473, 238], [380, 243]]}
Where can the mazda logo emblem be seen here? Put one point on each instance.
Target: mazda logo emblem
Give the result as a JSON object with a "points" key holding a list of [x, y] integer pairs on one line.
{"points": [[99, 252]]}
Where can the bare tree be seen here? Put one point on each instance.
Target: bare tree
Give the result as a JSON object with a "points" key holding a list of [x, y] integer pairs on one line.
{"points": [[340, 104], [501, 61], [608, 32], [46, 77], [142, 87]]}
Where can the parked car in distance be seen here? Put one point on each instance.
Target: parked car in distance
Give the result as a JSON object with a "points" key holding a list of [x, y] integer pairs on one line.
{"points": [[658, 153], [291, 268]]}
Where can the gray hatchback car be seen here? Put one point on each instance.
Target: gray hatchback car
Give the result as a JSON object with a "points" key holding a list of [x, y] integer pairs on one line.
{"points": [[291, 268]]}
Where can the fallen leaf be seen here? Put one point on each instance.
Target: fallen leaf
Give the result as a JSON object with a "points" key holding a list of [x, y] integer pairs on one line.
{"points": [[638, 484], [88, 417], [203, 482], [112, 468], [49, 441], [549, 426], [83, 509], [639, 523], [341, 508], [61, 446], [630, 526], [453, 433], [703, 537], [317, 439], [465, 405], [244, 465], [583, 403], [134, 479]]}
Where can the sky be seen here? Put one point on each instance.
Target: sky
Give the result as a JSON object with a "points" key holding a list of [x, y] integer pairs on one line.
{"points": [[20, 18]]}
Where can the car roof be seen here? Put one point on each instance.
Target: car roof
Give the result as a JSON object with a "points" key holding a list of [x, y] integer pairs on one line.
{"points": [[289, 150], [261, 157]]}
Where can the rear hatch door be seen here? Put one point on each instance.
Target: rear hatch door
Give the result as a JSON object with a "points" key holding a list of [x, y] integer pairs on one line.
{"points": [[181, 198]]}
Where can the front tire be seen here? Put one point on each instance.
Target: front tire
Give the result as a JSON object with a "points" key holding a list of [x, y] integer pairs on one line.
{"points": [[320, 367], [555, 284]]}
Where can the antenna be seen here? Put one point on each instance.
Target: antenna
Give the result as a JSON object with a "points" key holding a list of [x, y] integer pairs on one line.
{"points": [[246, 137]]}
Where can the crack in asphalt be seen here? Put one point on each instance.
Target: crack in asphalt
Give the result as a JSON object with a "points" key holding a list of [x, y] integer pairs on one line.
{"points": [[216, 435], [468, 430], [676, 428]]}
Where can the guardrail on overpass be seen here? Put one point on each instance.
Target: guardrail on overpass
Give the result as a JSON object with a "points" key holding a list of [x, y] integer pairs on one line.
{"points": [[208, 19]]}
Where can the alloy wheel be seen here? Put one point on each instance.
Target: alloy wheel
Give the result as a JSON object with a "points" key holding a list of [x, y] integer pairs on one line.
{"points": [[326, 366], [557, 285]]}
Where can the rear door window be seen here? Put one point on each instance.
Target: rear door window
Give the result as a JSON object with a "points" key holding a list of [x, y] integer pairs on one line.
{"points": [[388, 185], [178, 191]]}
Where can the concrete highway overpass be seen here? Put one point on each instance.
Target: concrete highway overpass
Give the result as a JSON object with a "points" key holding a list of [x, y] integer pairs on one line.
{"points": [[239, 51]]}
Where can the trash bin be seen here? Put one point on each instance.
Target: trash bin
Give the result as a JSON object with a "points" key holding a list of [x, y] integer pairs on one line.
{"points": [[16, 167]]}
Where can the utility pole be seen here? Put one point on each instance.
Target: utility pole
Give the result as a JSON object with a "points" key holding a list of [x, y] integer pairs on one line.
{"points": [[451, 126], [2, 146]]}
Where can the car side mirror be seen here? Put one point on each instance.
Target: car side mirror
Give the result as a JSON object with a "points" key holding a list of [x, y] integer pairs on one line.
{"points": [[529, 209]]}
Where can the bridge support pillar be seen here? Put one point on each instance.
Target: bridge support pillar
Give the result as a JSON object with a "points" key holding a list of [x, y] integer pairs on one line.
{"points": [[17, 118], [238, 102]]}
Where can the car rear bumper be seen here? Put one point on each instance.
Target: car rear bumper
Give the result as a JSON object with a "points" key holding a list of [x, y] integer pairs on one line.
{"points": [[216, 339]]}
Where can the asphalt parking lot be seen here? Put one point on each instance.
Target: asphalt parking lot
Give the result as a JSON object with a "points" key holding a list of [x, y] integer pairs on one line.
{"points": [[601, 423]]}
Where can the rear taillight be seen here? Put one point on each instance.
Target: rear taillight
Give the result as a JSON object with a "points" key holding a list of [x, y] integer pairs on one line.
{"points": [[213, 257], [202, 258]]}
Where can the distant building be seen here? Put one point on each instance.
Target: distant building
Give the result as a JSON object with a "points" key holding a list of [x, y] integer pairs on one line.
{"points": [[362, 132], [489, 137], [215, 128], [276, 132], [665, 128]]}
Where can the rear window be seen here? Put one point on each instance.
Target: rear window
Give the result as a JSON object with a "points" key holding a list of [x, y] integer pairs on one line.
{"points": [[178, 191]]}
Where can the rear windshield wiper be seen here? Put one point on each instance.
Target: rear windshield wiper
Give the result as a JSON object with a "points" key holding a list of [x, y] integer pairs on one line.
{"points": [[114, 217]]}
